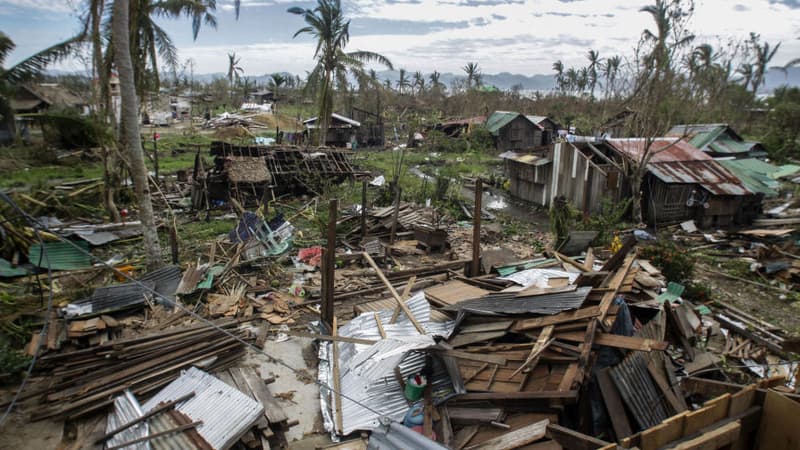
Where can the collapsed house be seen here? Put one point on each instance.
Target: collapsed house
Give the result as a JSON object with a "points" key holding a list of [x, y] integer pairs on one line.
{"points": [[459, 127], [43, 97], [681, 182], [250, 173]]}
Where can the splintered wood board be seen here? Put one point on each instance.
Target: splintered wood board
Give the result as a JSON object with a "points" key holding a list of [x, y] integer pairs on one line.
{"points": [[453, 292]]}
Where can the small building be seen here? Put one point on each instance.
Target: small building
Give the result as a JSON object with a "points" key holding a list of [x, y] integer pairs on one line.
{"points": [[342, 131], [719, 140], [513, 131], [43, 97], [370, 133], [684, 183], [261, 96], [458, 127], [549, 128], [681, 182]]}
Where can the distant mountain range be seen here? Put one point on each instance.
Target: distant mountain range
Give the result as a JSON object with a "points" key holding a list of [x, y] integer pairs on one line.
{"points": [[774, 79], [505, 80]]}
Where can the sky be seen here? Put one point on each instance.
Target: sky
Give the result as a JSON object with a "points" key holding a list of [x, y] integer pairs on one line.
{"points": [[516, 36]]}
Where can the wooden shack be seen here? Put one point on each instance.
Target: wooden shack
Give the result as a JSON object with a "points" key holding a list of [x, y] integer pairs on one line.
{"points": [[342, 131], [513, 131]]}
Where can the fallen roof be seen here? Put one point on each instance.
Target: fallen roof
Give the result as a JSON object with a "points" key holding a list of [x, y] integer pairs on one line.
{"points": [[311, 123], [60, 255], [511, 303], [226, 412], [467, 121]]}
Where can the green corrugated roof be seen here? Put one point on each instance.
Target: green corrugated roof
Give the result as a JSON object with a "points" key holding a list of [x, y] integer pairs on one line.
{"points": [[701, 139], [785, 170], [9, 271], [499, 119], [749, 171], [757, 165], [61, 255], [726, 145]]}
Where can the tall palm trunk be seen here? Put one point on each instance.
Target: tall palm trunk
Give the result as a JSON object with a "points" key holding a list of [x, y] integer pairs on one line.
{"points": [[130, 131], [326, 108]]}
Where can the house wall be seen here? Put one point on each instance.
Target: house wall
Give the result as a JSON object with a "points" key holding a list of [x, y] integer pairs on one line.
{"points": [[519, 134], [569, 174], [666, 204]]}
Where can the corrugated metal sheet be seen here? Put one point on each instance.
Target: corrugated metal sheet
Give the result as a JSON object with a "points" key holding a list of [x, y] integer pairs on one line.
{"points": [[639, 392], [753, 180], [395, 436], [711, 175], [499, 119], [60, 255], [662, 149], [367, 371], [9, 271], [127, 409], [728, 146], [539, 277], [509, 303], [124, 296], [172, 441], [785, 171], [226, 413]]}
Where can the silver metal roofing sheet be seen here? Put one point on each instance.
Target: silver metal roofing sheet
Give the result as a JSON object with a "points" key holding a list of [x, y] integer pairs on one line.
{"points": [[367, 371], [127, 409], [226, 413]]}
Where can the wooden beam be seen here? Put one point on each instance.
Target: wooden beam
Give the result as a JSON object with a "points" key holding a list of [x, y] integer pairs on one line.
{"points": [[475, 267], [178, 429], [330, 338], [614, 405], [616, 341], [573, 440], [564, 317], [337, 382], [163, 407], [537, 395], [514, 439], [394, 293]]}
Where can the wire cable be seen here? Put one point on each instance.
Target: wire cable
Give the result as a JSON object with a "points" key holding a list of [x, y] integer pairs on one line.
{"points": [[173, 303], [43, 333]]}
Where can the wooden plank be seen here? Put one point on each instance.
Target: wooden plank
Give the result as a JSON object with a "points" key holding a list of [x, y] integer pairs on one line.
{"points": [[539, 395], [778, 429], [617, 341], [489, 325], [666, 389], [464, 436], [564, 317], [701, 418], [394, 293], [406, 293], [514, 439], [323, 337], [541, 344], [462, 339], [380, 326], [480, 357], [614, 405], [573, 440], [714, 439], [260, 391], [742, 400], [662, 434]]}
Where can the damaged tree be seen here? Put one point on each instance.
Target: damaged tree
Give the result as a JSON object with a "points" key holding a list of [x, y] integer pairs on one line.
{"points": [[131, 140], [659, 94]]}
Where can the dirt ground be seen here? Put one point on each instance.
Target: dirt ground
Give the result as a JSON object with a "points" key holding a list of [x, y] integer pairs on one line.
{"points": [[766, 304]]}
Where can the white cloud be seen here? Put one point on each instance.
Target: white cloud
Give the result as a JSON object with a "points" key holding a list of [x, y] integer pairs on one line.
{"points": [[44, 5]]}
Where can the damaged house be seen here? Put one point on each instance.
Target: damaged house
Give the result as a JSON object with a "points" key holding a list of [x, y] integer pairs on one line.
{"points": [[513, 131], [342, 131], [719, 140], [681, 183], [257, 173], [43, 97], [459, 127], [549, 128]]}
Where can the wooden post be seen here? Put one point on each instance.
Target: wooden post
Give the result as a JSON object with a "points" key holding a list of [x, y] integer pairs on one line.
{"points": [[337, 381], [396, 213], [475, 267], [363, 209], [173, 243], [155, 155], [328, 267], [394, 293]]}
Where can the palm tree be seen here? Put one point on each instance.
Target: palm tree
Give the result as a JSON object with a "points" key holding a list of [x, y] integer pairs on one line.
{"points": [[434, 79], [234, 71], [402, 81], [419, 82], [571, 79], [594, 62], [276, 80], [472, 71], [27, 69], [558, 67], [661, 55], [761, 64], [130, 128], [746, 71], [610, 71], [327, 24]]}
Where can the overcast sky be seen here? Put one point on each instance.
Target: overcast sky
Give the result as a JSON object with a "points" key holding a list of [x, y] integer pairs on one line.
{"points": [[518, 36]]}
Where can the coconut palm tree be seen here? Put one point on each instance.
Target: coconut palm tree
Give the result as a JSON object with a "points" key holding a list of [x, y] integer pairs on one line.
{"points": [[472, 71], [764, 55], [558, 67], [594, 61], [610, 72], [234, 71], [327, 24], [434, 78], [276, 80], [661, 55], [26, 69], [402, 81], [419, 82]]}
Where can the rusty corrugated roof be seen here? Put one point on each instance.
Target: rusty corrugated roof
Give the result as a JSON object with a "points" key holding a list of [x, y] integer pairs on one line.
{"points": [[677, 161], [662, 149]]}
